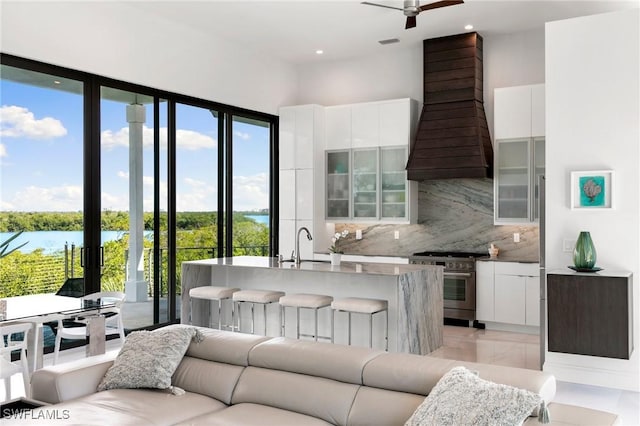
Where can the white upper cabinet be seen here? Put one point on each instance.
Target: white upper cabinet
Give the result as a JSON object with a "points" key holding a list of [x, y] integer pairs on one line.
{"points": [[395, 128], [338, 127], [365, 125], [519, 147], [304, 194], [304, 137], [537, 111], [287, 138], [287, 202]]}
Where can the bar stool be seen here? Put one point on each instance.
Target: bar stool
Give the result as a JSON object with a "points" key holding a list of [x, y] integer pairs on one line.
{"points": [[305, 301], [212, 293], [359, 305], [261, 297]]}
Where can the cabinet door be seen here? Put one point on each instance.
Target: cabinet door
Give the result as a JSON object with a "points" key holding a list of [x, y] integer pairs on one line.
{"points": [[532, 308], [286, 237], [304, 137], [304, 194], [510, 295], [365, 122], [537, 110], [287, 202], [338, 184], [393, 178], [365, 183], [512, 181], [395, 121], [484, 291], [338, 127], [286, 136], [512, 112]]}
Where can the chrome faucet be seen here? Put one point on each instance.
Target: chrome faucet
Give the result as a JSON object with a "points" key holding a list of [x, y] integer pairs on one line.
{"points": [[297, 254]]}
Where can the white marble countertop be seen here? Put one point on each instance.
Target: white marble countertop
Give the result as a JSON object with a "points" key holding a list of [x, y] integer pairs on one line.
{"points": [[314, 266]]}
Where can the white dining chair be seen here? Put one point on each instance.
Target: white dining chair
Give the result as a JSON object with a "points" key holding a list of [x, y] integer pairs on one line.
{"points": [[7, 347], [113, 320]]}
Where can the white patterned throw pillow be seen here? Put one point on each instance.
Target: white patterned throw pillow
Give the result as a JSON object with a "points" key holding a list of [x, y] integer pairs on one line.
{"points": [[462, 398], [148, 359]]}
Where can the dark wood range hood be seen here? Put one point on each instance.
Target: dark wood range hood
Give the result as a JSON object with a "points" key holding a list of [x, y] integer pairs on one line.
{"points": [[452, 139]]}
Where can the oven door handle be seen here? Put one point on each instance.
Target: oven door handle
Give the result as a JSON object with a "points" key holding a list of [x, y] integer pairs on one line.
{"points": [[457, 274]]}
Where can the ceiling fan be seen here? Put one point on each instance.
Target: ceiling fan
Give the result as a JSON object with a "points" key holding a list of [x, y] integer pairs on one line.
{"points": [[412, 8]]}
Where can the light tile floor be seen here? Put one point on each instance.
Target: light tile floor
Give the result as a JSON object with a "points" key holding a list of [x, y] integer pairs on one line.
{"points": [[470, 344]]}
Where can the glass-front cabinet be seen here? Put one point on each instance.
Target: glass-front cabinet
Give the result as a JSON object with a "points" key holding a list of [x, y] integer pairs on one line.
{"points": [[393, 178], [519, 164], [367, 184], [338, 185]]}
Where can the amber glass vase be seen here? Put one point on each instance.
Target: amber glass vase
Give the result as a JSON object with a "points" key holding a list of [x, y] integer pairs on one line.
{"points": [[584, 254]]}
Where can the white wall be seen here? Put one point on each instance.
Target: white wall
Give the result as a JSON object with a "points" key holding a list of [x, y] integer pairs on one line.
{"points": [[396, 72], [128, 45], [593, 110]]}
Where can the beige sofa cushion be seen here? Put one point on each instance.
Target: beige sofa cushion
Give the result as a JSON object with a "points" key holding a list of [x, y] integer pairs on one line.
{"points": [[338, 362], [209, 378], [398, 407], [123, 407], [325, 399], [254, 415], [419, 374], [224, 346]]}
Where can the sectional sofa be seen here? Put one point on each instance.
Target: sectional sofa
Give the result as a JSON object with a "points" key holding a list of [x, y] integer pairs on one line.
{"points": [[240, 379]]}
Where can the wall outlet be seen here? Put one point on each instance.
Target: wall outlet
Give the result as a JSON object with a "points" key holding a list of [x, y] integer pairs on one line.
{"points": [[358, 234], [568, 245], [516, 237], [396, 235]]}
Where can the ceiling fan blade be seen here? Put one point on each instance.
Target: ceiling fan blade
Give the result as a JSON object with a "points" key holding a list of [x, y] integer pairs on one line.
{"points": [[438, 4], [411, 22], [380, 5]]}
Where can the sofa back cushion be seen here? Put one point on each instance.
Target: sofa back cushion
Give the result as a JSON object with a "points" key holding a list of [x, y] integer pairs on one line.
{"points": [[374, 406], [224, 346], [319, 397], [338, 362], [210, 378]]}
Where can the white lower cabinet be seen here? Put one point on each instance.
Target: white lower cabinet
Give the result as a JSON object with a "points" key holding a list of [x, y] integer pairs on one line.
{"points": [[508, 292]]}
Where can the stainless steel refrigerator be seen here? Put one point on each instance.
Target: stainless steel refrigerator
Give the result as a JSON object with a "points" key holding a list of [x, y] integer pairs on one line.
{"points": [[543, 277]]}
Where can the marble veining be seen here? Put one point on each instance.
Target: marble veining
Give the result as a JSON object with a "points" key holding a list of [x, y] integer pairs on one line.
{"points": [[454, 215]]}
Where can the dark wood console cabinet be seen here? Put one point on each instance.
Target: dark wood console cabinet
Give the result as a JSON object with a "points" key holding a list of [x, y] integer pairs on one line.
{"points": [[590, 314]]}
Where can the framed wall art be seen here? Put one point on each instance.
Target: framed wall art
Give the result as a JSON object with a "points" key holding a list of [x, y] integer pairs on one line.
{"points": [[592, 190]]}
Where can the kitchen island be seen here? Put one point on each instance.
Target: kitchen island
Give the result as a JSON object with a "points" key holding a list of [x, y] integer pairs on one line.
{"points": [[414, 294]]}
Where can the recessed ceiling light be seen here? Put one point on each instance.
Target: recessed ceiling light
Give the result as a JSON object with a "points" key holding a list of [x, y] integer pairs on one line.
{"points": [[468, 27], [56, 82], [319, 52]]}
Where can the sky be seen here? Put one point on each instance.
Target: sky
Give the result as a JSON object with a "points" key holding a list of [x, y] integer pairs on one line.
{"points": [[41, 132]]}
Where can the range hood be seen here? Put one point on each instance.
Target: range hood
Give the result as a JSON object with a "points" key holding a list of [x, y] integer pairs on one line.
{"points": [[452, 138]]}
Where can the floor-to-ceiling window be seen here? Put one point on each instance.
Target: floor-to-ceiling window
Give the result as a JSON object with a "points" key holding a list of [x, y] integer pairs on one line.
{"points": [[142, 175]]}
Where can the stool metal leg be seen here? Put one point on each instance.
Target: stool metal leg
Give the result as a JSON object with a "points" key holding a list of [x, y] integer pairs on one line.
{"points": [[264, 312], [386, 332], [239, 313], [333, 313], [297, 322], [219, 314], [253, 319], [279, 313], [191, 311]]}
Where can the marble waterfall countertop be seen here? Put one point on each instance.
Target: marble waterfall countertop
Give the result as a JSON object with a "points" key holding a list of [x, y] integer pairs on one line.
{"points": [[414, 294]]}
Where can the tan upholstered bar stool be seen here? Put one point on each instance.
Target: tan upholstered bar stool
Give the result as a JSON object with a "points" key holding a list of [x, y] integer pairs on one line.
{"points": [[359, 305], [213, 293], [260, 297], [305, 301]]}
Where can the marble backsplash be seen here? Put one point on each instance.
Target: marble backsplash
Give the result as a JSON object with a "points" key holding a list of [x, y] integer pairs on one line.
{"points": [[453, 215]]}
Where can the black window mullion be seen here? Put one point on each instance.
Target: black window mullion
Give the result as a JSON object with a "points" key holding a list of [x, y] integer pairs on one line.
{"points": [[157, 259], [228, 142], [92, 191], [274, 193], [221, 185], [171, 214]]}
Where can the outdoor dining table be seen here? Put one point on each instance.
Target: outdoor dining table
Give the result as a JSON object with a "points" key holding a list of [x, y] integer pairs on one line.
{"points": [[39, 309]]}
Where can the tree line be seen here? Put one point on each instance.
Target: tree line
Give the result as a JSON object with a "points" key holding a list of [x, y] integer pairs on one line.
{"points": [[110, 220]]}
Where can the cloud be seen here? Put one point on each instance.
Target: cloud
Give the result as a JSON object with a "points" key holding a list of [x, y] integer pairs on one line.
{"points": [[3, 150], [185, 139], [251, 192], [16, 122], [57, 198], [194, 182], [242, 135]]}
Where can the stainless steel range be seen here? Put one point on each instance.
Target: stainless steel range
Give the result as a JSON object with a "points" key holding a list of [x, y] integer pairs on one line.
{"points": [[459, 280]]}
